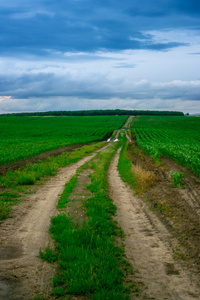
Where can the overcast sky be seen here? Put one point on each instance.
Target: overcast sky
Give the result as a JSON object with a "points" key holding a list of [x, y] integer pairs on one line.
{"points": [[97, 54]]}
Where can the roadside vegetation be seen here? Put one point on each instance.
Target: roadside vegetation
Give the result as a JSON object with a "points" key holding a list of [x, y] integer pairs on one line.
{"points": [[104, 112], [164, 186], [177, 178], [125, 166], [19, 180], [89, 261], [7, 199], [135, 175]]}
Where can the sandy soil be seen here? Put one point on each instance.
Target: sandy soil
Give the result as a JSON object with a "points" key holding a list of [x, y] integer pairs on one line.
{"points": [[149, 246], [22, 236], [178, 208]]}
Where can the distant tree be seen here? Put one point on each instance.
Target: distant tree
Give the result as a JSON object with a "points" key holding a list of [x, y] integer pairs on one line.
{"points": [[99, 113]]}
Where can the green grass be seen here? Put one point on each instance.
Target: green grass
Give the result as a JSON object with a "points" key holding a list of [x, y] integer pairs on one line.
{"points": [[20, 179], [24, 137], [34, 172], [89, 261], [177, 178], [68, 189], [125, 166], [7, 199]]}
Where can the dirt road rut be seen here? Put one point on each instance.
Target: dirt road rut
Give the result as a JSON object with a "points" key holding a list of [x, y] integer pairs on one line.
{"points": [[148, 246], [22, 236]]}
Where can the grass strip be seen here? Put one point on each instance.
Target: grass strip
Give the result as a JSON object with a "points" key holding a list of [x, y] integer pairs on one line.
{"points": [[48, 167], [7, 199], [125, 166], [18, 180], [68, 189], [135, 175], [89, 261]]}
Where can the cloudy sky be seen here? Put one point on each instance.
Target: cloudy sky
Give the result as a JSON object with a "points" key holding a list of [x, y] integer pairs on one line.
{"points": [[97, 54]]}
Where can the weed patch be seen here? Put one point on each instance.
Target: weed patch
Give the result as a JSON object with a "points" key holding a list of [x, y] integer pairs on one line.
{"points": [[7, 199], [136, 176], [177, 178], [20, 179], [48, 167], [48, 255], [162, 207], [144, 179], [125, 166]]}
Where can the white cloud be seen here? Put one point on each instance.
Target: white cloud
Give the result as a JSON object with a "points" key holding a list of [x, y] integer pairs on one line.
{"points": [[4, 98]]}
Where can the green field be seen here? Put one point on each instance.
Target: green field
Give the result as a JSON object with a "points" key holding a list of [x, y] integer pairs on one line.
{"points": [[88, 243], [175, 137], [23, 137]]}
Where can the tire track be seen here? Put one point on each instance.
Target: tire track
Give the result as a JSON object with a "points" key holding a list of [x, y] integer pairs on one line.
{"points": [[148, 246], [22, 273]]}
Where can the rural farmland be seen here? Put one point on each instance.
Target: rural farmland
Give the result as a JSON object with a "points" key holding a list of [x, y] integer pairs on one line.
{"points": [[100, 207]]}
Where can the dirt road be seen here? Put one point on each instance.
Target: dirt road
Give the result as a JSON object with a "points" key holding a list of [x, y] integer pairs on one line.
{"points": [[148, 243], [148, 246], [22, 236]]}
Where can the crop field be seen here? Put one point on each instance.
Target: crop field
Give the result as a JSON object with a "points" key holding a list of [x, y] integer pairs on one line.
{"points": [[95, 220], [175, 137], [23, 137]]}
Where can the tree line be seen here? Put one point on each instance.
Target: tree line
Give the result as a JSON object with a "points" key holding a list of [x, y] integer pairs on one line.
{"points": [[97, 113]]}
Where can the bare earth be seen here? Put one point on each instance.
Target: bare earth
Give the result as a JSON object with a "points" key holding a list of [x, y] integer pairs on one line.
{"points": [[148, 246], [22, 273]]}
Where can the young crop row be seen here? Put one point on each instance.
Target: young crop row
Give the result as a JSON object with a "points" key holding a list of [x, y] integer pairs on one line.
{"points": [[23, 137], [164, 136]]}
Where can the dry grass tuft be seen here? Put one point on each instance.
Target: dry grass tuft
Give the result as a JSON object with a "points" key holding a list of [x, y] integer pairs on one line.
{"points": [[144, 179]]}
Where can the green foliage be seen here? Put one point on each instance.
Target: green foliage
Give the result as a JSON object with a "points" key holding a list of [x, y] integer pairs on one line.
{"points": [[175, 137], [39, 297], [48, 255], [107, 112], [125, 166], [7, 199], [68, 189], [89, 262], [4, 210], [32, 173], [48, 167], [59, 291], [177, 178], [26, 179], [24, 137]]}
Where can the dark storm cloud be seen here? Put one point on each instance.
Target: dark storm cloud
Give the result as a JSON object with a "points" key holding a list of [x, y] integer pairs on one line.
{"points": [[90, 25], [47, 85], [95, 87]]}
